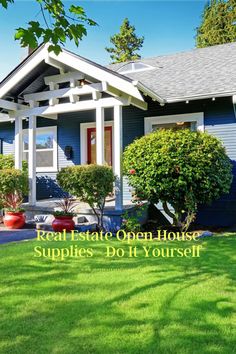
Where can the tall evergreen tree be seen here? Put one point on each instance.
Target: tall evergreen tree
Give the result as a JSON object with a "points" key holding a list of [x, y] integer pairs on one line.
{"points": [[218, 24], [126, 44]]}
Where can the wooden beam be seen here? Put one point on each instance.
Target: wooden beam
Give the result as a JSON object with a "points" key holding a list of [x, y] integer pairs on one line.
{"points": [[140, 104], [71, 107], [58, 79], [55, 64], [11, 106], [4, 117], [98, 72], [65, 92]]}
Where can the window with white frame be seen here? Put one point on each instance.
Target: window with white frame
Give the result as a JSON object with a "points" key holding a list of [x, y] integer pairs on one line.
{"points": [[193, 121], [46, 148]]}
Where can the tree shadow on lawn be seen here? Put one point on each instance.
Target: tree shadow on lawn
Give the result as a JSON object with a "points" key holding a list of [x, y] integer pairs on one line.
{"points": [[124, 306]]}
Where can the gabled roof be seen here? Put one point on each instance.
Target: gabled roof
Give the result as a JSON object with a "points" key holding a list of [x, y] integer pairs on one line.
{"points": [[197, 73], [35, 65]]}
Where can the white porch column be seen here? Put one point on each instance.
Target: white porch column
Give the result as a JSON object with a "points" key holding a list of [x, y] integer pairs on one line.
{"points": [[18, 143], [32, 160], [118, 145], [100, 135]]}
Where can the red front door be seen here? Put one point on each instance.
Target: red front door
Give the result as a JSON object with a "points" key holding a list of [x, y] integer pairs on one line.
{"points": [[91, 145]]}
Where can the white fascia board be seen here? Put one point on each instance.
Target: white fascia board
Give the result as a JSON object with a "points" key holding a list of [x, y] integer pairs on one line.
{"points": [[201, 97], [98, 73], [26, 68], [149, 92]]}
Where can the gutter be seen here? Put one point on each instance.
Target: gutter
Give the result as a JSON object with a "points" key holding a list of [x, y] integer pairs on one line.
{"points": [[203, 96]]}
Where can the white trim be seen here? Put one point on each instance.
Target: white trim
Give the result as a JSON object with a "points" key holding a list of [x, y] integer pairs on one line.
{"points": [[98, 73], [70, 107], [18, 143], [83, 139], [100, 136], [55, 150], [11, 106], [30, 63], [4, 118], [66, 92], [118, 145], [133, 70], [186, 117], [148, 92], [201, 96], [32, 160], [58, 79]]}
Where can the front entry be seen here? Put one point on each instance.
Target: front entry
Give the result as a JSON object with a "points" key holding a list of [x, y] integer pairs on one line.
{"points": [[91, 145]]}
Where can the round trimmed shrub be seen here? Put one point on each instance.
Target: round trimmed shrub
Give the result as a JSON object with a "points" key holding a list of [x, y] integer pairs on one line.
{"points": [[90, 183], [182, 168]]}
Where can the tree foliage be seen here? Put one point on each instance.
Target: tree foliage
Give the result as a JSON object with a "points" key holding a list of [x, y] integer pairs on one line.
{"points": [[13, 183], [218, 25], [182, 168], [126, 44], [57, 25], [13, 187], [90, 183]]}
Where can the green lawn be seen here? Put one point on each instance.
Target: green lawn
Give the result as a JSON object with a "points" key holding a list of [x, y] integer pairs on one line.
{"points": [[127, 305]]}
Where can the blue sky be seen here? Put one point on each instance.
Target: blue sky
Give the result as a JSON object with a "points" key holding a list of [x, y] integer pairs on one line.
{"points": [[168, 27]]}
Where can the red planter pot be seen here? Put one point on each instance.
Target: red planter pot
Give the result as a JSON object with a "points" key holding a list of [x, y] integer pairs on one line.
{"points": [[61, 223], [14, 220]]}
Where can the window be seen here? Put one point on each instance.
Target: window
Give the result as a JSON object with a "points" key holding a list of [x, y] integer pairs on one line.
{"points": [[46, 148], [193, 121], [134, 67], [175, 126]]}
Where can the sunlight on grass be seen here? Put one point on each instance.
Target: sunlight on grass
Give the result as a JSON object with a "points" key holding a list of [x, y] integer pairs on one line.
{"points": [[119, 305]]}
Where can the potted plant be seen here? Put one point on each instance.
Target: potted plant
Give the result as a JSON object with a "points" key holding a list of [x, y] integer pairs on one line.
{"points": [[64, 217], [14, 217], [13, 188]]}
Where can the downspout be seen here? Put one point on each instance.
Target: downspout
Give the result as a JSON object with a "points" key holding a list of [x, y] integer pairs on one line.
{"points": [[234, 104]]}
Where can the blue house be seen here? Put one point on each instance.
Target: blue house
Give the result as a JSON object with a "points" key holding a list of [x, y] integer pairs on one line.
{"points": [[57, 111]]}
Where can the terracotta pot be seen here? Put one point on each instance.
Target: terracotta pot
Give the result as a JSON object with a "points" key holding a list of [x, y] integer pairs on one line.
{"points": [[14, 220], [61, 223]]}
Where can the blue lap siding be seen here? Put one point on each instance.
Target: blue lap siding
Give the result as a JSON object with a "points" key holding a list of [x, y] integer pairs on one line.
{"points": [[219, 120]]}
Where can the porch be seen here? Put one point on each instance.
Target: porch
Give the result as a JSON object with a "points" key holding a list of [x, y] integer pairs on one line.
{"points": [[66, 85], [112, 217]]}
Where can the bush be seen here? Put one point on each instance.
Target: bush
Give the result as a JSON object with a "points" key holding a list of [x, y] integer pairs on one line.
{"points": [[7, 162], [182, 168], [90, 183], [13, 184]]}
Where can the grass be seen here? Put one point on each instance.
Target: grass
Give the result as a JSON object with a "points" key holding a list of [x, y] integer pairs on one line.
{"points": [[119, 305]]}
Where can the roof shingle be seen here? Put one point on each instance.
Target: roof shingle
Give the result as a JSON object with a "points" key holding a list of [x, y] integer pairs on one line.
{"points": [[204, 71]]}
